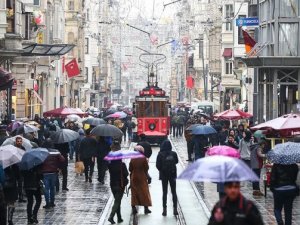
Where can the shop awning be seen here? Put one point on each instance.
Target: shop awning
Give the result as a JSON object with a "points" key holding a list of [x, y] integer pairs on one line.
{"points": [[47, 49], [6, 80], [227, 52]]}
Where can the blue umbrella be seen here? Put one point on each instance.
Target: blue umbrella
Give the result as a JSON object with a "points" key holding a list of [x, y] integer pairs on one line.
{"points": [[203, 130], [33, 157], [193, 126], [218, 169], [286, 153]]}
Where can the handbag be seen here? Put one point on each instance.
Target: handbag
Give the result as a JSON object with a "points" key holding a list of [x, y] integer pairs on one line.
{"points": [[79, 167]]}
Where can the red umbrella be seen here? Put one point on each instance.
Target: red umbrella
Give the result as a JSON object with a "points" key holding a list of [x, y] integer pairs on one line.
{"points": [[288, 122], [64, 111], [232, 114]]}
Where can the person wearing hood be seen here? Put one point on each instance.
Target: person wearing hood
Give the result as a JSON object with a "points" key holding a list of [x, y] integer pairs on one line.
{"points": [[166, 164]]}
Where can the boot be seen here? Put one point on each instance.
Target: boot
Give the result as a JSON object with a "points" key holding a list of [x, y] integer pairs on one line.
{"points": [[10, 210], [111, 220], [34, 218], [147, 210], [175, 212], [134, 211], [164, 211], [120, 220]]}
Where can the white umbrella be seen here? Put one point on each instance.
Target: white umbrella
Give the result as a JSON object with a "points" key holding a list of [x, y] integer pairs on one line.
{"points": [[11, 141], [10, 155], [73, 118]]}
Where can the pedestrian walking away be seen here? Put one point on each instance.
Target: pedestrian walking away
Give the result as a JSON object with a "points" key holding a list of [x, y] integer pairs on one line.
{"points": [[166, 164], [140, 195], [284, 188]]}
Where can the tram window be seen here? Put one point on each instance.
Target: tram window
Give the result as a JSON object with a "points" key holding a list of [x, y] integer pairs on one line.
{"points": [[152, 109]]}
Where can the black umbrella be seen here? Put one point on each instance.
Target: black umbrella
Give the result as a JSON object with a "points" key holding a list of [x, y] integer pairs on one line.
{"points": [[63, 136], [94, 121], [107, 130]]}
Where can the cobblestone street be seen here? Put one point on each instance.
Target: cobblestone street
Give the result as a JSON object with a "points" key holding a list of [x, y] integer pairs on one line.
{"points": [[210, 195], [81, 205]]}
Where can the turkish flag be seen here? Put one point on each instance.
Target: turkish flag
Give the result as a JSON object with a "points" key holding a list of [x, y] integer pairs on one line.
{"points": [[190, 83], [72, 68]]}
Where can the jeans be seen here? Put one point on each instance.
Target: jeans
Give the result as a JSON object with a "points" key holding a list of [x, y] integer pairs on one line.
{"points": [[255, 185], [102, 167], [88, 167], [38, 200], [118, 195], [284, 199], [50, 182], [72, 147], [130, 136], [165, 183]]}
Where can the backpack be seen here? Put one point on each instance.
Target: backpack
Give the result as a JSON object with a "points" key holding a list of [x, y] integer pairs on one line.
{"points": [[169, 165]]}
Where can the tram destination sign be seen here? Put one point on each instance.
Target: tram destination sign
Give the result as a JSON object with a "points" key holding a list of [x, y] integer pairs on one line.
{"points": [[250, 21]]}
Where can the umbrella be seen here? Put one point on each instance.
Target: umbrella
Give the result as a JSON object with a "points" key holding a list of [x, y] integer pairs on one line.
{"points": [[224, 151], [63, 136], [33, 157], [15, 125], [26, 128], [121, 114], [286, 153], [193, 126], [113, 116], [94, 121], [289, 122], [203, 129], [73, 118], [10, 155], [32, 122], [259, 134], [107, 130], [11, 141], [63, 111], [218, 169], [123, 154], [232, 115]]}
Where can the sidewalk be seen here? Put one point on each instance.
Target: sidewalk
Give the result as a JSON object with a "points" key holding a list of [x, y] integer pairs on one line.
{"points": [[190, 209], [208, 191], [81, 205]]}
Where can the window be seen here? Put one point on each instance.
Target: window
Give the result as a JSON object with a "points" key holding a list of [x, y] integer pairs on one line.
{"points": [[36, 2], [10, 16], [228, 26], [71, 5], [229, 11], [86, 46], [240, 32], [228, 67]]}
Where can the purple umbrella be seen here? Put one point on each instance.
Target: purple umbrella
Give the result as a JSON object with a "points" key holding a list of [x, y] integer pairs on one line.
{"points": [[218, 169], [123, 154]]}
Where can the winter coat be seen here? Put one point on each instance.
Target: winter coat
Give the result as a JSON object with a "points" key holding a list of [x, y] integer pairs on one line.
{"points": [[53, 162], [134, 120], [88, 148], [239, 212], [256, 156], [102, 149], [232, 145], [244, 149], [2, 176], [282, 175], [63, 149], [118, 175], [165, 150], [32, 178], [11, 174], [140, 194]]}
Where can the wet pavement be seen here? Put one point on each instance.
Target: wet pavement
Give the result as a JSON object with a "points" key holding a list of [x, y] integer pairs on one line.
{"points": [[83, 204], [210, 196]]}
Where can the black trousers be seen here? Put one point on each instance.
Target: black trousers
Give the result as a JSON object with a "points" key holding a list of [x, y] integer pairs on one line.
{"points": [[190, 149], [88, 167], [38, 200], [3, 209], [102, 167], [20, 183], [64, 172], [172, 182], [116, 209]]}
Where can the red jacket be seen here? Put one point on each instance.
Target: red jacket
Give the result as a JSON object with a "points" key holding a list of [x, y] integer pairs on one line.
{"points": [[53, 162]]}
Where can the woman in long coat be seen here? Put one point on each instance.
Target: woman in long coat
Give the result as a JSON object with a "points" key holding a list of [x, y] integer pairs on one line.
{"points": [[140, 194]]}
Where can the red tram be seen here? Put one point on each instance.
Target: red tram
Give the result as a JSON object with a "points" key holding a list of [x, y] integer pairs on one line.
{"points": [[152, 109]]}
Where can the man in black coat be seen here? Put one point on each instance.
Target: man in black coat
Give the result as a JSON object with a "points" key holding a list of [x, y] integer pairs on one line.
{"points": [[64, 151], [166, 164], [235, 209]]}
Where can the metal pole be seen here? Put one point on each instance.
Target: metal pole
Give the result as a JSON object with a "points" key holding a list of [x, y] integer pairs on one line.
{"points": [[211, 88], [203, 66]]}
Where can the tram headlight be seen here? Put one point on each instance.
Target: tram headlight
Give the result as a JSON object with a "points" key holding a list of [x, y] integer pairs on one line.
{"points": [[151, 126]]}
